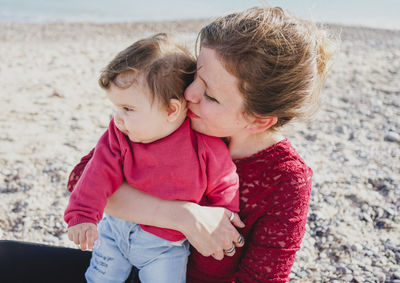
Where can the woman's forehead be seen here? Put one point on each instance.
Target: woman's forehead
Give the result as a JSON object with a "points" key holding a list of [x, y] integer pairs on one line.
{"points": [[218, 82], [211, 70]]}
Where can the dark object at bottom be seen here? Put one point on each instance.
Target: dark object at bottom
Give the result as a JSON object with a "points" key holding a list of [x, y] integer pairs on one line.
{"points": [[23, 262]]}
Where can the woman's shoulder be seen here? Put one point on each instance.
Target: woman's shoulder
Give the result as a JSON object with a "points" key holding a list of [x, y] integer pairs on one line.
{"points": [[275, 171], [280, 158], [288, 161]]}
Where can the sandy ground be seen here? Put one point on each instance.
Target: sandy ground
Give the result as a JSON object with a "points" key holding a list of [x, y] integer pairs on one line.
{"points": [[53, 112]]}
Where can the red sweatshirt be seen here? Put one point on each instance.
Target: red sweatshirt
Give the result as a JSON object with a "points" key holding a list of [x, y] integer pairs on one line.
{"points": [[185, 165]]}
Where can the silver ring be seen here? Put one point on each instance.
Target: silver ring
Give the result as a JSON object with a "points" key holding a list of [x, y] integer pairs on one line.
{"points": [[240, 240], [231, 250], [232, 216]]}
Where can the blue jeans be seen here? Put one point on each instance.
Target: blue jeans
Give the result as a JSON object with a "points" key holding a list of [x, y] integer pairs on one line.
{"points": [[122, 244]]}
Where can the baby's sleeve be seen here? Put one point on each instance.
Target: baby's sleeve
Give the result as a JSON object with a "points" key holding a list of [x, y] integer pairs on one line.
{"points": [[222, 179], [101, 177]]}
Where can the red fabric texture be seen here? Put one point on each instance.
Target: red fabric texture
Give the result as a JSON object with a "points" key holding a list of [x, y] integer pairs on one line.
{"points": [[275, 186], [185, 165]]}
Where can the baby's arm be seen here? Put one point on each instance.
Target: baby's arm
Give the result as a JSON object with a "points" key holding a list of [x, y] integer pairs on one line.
{"points": [[83, 234], [101, 177]]}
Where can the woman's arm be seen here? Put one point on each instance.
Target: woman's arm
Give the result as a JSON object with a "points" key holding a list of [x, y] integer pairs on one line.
{"points": [[276, 236], [208, 229]]}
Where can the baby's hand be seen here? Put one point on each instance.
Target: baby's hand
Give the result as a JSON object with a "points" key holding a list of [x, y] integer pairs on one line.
{"points": [[83, 234]]}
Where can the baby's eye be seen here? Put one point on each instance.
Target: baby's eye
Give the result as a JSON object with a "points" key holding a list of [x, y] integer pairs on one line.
{"points": [[210, 98], [127, 109]]}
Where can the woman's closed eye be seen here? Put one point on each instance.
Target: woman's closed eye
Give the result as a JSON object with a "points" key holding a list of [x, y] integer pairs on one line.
{"points": [[210, 98]]}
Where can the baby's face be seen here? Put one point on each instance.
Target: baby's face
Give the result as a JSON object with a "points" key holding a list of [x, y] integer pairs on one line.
{"points": [[136, 115]]}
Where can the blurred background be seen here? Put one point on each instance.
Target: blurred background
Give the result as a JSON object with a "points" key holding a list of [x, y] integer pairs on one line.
{"points": [[371, 13], [52, 112]]}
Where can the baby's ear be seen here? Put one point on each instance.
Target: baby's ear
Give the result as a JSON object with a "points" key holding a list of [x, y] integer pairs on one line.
{"points": [[175, 109]]}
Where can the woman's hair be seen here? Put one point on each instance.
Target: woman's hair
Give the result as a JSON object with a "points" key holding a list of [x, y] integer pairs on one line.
{"points": [[167, 67], [280, 61]]}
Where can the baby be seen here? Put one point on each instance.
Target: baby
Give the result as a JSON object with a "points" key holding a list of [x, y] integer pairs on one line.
{"points": [[150, 145]]}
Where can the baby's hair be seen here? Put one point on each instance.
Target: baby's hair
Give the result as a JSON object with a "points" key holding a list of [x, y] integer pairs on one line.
{"points": [[167, 68], [280, 61]]}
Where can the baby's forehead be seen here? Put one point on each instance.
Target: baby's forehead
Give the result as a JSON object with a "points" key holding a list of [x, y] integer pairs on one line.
{"points": [[128, 78]]}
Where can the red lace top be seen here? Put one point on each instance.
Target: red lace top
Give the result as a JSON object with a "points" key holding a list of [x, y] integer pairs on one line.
{"points": [[275, 187]]}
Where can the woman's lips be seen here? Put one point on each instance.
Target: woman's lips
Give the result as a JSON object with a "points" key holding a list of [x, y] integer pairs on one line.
{"points": [[190, 114]]}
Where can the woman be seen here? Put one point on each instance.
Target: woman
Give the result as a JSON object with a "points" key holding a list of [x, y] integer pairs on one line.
{"points": [[257, 70]]}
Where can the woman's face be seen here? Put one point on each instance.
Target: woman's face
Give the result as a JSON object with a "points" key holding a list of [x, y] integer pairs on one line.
{"points": [[214, 101]]}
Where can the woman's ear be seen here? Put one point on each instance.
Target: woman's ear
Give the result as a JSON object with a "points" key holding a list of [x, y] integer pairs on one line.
{"points": [[258, 125], [175, 109]]}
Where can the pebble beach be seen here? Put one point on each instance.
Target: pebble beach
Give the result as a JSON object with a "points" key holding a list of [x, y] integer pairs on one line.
{"points": [[52, 112]]}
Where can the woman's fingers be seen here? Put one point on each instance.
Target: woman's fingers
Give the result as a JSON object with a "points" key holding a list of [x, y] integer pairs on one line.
{"points": [[236, 238], [212, 233], [219, 255], [234, 218], [231, 251], [239, 242]]}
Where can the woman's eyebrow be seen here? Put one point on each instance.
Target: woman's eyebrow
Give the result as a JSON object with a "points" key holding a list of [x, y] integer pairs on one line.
{"points": [[205, 83], [201, 78]]}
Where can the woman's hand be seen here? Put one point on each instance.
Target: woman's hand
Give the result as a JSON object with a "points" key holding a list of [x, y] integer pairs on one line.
{"points": [[210, 230]]}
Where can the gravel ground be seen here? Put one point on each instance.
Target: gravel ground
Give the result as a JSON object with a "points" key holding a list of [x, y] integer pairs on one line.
{"points": [[52, 112]]}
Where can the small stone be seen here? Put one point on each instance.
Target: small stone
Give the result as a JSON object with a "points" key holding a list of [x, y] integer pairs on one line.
{"points": [[301, 274], [339, 129], [358, 279], [341, 269], [348, 278], [396, 275], [392, 137], [367, 217], [356, 247], [56, 94], [389, 211], [367, 261], [312, 137], [379, 212], [380, 276]]}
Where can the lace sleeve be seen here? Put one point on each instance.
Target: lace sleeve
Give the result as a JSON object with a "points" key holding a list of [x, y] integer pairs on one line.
{"points": [[76, 173], [276, 236]]}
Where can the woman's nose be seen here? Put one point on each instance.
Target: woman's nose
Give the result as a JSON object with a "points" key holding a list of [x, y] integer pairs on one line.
{"points": [[193, 92]]}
